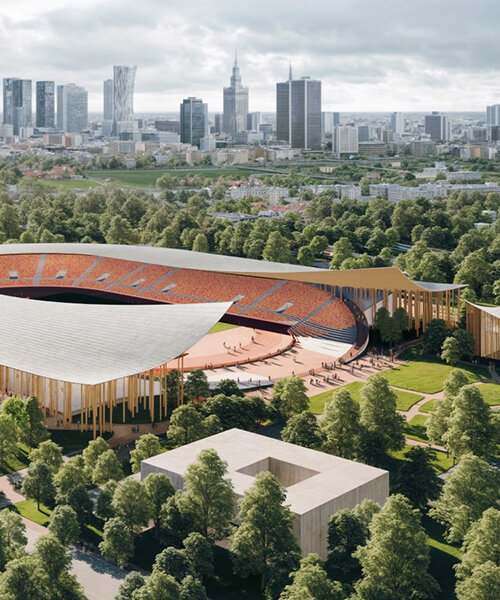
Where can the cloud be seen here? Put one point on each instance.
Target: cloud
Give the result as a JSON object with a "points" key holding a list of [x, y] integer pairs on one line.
{"points": [[369, 54]]}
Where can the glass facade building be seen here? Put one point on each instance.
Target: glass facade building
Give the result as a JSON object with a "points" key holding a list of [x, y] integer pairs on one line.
{"points": [[72, 108], [194, 121], [45, 104]]}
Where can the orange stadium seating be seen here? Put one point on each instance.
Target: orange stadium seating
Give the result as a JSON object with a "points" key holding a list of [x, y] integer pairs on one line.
{"points": [[74, 265], [149, 274], [305, 298], [116, 269], [335, 314], [25, 265]]}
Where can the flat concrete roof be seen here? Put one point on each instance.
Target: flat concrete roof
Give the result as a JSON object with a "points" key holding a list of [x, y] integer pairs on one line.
{"points": [[324, 476]]}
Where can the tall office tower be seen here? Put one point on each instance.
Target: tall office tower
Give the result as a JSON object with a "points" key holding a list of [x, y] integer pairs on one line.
{"points": [[398, 122], [45, 104], [123, 96], [327, 124], [438, 126], [107, 89], [336, 119], [298, 112], [20, 104], [8, 86], [218, 123], [194, 121], [235, 103], [493, 114], [254, 119], [364, 133], [345, 140], [72, 108]]}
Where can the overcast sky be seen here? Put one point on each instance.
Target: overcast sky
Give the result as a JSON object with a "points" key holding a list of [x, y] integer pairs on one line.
{"points": [[371, 55]]}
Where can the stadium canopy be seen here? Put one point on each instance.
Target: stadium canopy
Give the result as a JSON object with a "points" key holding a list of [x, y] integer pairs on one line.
{"points": [[93, 343]]}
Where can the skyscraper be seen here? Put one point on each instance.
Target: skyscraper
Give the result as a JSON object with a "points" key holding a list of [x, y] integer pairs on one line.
{"points": [[235, 103], [194, 121], [398, 122], [345, 140], [72, 108], [123, 96], [45, 104], [108, 100], [438, 126], [298, 112], [17, 103]]}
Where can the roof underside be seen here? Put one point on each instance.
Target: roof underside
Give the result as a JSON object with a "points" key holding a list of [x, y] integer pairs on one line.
{"points": [[91, 344], [389, 278]]}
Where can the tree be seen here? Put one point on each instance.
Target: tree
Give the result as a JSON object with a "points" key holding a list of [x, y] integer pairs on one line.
{"points": [[159, 586], [466, 343], [132, 582], [15, 408], [8, 438], [200, 243], [117, 542], [311, 581], [302, 430], [38, 484], [130, 504], [146, 446], [264, 543], [290, 396], [383, 426], [209, 494], [186, 425], [277, 248], [79, 500], [120, 231], [92, 453], [104, 508], [387, 326], [437, 421], [200, 553], [483, 584], [305, 256], [417, 479], [245, 412], [471, 426], [158, 489], [70, 475], [192, 589], [173, 561], [64, 524], [342, 250], [434, 335], [348, 529], [49, 453], [21, 581], [340, 425], [196, 385], [107, 467], [36, 431], [12, 536], [395, 559], [227, 387], [481, 544], [450, 350], [176, 521], [468, 491]]}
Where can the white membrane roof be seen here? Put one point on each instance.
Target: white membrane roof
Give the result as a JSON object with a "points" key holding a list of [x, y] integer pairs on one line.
{"points": [[494, 311], [92, 343]]}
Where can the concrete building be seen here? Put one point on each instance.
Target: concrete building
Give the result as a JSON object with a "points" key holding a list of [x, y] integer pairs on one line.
{"points": [[107, 89], [235, 103], [329, 120], [345, 140], [317, 484], [398, 122], [123, 98], [438, 126], [45, 104], [493, 114], [364, 133], [298, 112], [193, 121], [254, 119], [72, 108]]}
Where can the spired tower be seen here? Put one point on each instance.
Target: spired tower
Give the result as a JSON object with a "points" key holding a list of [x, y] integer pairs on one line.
{"points": [[235, 103]]}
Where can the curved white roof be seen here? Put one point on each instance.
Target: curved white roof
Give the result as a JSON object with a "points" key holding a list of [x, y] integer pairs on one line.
{"points": [[91, 343]]}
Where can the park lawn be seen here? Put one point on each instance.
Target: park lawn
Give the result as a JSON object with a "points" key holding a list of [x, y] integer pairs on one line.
{"points": [[441, 464], [426, 374], [443, 557], [490, 393], [221, 327], [20, 462], [68, 185], [405, 400], [415, 428], [427, 406]]}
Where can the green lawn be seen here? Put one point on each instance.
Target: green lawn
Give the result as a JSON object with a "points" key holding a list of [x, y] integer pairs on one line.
{"points": [[415, 428], [427, 406], [441, 464], [20, 462], [405, 400], [221, 327], [426, 374], [67, 185], [491, 393], [443, 558]]}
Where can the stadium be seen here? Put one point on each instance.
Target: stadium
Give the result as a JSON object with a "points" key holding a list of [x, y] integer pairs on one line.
{"points": [[87, 351]]}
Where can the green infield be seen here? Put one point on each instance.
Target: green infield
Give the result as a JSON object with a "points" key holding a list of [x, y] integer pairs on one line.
{"points": [[222, 327], [405, 400], [426, 374]]}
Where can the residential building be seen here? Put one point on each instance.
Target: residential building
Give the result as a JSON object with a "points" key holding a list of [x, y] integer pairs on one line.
{"points": [[45, 104], [72, 108], [194, 121], [235, 103], [345, 140], [108, 100], [438, 127], [298, 112]]}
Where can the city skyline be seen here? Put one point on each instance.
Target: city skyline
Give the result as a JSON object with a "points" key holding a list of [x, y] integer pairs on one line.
{"points": [[387, 57]]}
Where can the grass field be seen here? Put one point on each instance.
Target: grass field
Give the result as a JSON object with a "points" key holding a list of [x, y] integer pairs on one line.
{"points": [[426, 374], [20, 462], [441, 464], [416, 430], [221, 327], [427, 407], [491, 393], [317, 403], [443, 558], [67, 185]]}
